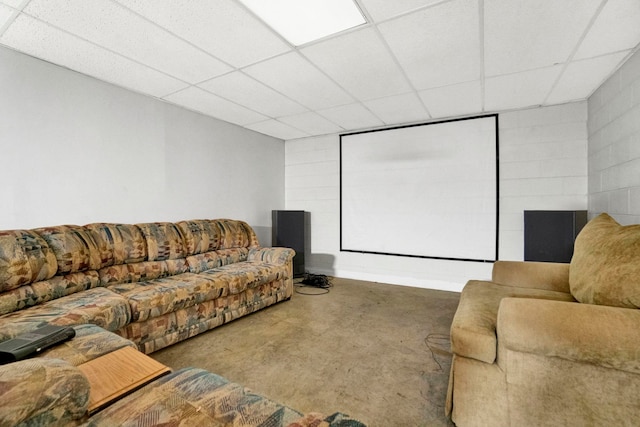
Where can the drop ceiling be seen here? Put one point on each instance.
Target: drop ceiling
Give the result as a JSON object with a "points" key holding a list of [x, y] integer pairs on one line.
{"points": [[413, 61]]}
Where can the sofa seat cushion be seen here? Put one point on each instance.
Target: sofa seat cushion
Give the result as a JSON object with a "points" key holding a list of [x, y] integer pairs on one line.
{"points": [[47, 290], [157, 297], [90, 342], [473, 330], [98, 306], [246, 275], [197, 398]]}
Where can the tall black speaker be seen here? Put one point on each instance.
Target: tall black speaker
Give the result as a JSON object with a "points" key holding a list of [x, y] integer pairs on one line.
{"points": [[549, 235], [288, 231]]}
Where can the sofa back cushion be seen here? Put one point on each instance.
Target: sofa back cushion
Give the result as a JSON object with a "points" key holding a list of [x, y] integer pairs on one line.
{"points": [[25, 257], [119, 243], [164, 241], [605, 268], [200, 235], [234, 234], [74, 248]]}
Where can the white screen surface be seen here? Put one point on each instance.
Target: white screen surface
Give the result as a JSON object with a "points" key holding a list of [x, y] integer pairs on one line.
{"points": [[426, 191]]}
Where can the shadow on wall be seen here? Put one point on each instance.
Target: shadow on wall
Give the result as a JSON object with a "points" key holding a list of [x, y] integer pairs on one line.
{"points": [[321, 264], [263, 234]]}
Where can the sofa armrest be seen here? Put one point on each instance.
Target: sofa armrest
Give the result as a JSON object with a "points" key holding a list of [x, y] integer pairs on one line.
{"points": [[278, 256], [596, 334], [42, 391], [551, 276]]}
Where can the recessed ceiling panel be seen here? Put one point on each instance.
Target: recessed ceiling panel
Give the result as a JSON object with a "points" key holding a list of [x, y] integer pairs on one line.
{"points": [[43, 41], [398, 109], [385, 9], [13, 3], [523, 35], [455, 100], [221, 27], [519, 90], [5, 14], [277, 129], [360, 63], [296, 78], [581, 78], [301, 22], [311, 123], [116, 28], [352, 116], [244, 90], [616, 28], [437, 46], [207, 103]]}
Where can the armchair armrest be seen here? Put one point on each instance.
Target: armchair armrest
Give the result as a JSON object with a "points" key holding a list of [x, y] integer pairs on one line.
{"points": [[551, 276], [43, 392], [278, 256], [596, 334]]}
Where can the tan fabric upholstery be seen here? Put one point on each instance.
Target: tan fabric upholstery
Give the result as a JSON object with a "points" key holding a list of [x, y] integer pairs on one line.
{"points": [[605, 268], [473, 331], [551, 276]]}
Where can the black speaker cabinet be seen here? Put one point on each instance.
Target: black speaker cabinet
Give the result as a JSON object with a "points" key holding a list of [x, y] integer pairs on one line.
{"points": [[549, 235], [288, 231]]}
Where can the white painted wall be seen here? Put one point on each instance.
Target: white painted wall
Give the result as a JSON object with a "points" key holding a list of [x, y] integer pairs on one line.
{"points": [[75, 150], [614, 145], [543, 165]]}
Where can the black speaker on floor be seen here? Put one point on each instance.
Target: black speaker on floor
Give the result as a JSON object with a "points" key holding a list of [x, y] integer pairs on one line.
{"points": [[549, 235], [288, 231]]}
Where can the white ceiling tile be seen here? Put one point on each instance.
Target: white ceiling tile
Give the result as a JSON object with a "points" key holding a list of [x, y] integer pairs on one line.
{"points": [[523, 35], [240, 88], [43, 41], [207, 103], [352, 116], [384, 9], [311, 123], [581, 78], [126, 33], [295, 77], [437, 46], [398, 109], [221, 27], [616, 28], [277, 129], [455, 100], [360, 63], [519, 90], [13, 3], [5, 14]]}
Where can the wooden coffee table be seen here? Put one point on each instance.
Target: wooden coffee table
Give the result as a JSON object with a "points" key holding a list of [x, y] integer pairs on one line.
{"points": [[117, 374]]}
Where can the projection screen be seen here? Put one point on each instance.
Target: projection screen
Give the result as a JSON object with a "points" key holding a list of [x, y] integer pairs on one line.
{"points": [[428, 190]]}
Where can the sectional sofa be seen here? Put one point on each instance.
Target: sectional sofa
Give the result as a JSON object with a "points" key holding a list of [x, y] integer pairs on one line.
{"points": [[145, 286], [154, 283], [552, 344]]}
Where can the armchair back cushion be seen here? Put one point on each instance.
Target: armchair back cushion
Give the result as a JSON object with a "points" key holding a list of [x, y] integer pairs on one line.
{"points": [[605, 268]]}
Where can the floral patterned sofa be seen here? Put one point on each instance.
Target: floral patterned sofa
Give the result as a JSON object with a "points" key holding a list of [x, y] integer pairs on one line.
{"points": [[154, 283], [145, 286]]}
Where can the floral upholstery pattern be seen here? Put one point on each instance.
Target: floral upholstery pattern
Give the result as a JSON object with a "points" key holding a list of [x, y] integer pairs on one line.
{"points": [[196, 397], [98, 306], [58, 393], [74, 247], [90, 342], [25, 258], [164, 241], [119, 243]]}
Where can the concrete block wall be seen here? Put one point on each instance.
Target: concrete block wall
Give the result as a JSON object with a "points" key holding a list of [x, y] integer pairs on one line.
{"points": [[543, 166], [614, 145]]}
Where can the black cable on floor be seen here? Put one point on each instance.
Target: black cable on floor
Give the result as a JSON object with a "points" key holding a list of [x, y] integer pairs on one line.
{"points": [[319, 282]]}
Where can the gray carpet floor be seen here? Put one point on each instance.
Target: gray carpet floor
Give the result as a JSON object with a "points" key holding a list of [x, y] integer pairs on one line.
{"points": [[377, 352]]}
